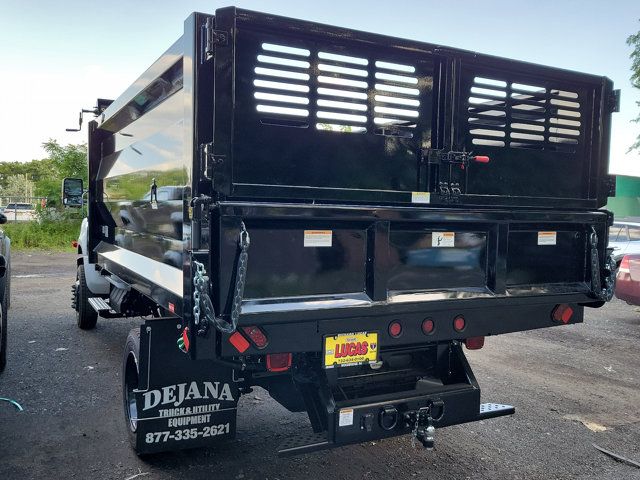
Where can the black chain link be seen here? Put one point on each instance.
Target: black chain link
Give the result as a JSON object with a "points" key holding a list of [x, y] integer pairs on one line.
{"points": [[203, 306]]}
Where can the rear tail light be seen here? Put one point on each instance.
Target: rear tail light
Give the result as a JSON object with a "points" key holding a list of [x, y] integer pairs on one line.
{"points": [[481, 159], [562, 313], [74, 244], [257, 336], [238, 341], [395, 329], [624, 265], [474, 343], [278, 362], [428, 326], [459, 323]]}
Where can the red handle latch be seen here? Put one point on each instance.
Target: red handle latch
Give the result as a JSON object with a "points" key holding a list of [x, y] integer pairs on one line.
{"points": [[481, 159]]}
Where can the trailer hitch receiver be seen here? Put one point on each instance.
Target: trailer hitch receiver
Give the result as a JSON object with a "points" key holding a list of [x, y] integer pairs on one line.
{"points": [[423, 420]]}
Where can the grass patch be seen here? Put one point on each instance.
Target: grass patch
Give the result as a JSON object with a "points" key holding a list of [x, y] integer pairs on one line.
{"points": [[44, 235]]}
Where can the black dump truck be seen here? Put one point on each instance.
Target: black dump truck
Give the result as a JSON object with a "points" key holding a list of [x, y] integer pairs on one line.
{"points": [[332, 215]]}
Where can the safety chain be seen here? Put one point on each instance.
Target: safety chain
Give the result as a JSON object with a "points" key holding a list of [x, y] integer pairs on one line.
{"points": [[414, 432], [201, 298], [601, 293]]}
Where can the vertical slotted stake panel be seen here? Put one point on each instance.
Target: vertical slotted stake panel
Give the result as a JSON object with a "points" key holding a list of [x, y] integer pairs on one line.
{"points": [[311, 112]]}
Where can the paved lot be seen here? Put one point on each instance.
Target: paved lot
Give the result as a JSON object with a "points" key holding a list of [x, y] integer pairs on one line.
{"points": [[567, 383]]}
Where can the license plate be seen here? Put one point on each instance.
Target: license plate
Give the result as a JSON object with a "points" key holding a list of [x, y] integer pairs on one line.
{"points": [[347, 349]]}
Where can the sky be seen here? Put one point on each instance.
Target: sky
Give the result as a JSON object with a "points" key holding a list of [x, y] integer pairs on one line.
{"points": [[58, 57]]}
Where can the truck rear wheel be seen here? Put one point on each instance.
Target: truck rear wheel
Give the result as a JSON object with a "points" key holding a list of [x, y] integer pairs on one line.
{"points": [[130, 378], [86, 316]]}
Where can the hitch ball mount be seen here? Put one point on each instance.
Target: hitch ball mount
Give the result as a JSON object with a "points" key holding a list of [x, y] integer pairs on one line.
{"points": [[422, 422]]}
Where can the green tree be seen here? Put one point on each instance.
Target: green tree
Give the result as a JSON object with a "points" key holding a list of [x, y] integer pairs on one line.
{"points": [[634, 42], [34, 170], [44, 177], [16, 187], [67, 161], [62, 161]]}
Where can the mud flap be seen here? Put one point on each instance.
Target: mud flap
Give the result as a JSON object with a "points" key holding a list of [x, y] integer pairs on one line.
{"points": [[181, 403]]}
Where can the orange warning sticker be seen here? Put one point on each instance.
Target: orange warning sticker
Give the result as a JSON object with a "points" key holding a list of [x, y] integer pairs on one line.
{"points": [[318, 238]]}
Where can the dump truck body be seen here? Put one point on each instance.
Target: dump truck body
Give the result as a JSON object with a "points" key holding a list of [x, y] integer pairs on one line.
{"points": [[331, 214]]}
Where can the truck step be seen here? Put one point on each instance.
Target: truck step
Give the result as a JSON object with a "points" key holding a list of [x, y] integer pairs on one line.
{"points": [[492, 410], [303, 443], [99, 305]]}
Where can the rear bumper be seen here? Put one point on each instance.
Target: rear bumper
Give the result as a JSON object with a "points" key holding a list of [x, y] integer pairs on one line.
{"points": [[311, 442], [451, 398], [481, 319]]}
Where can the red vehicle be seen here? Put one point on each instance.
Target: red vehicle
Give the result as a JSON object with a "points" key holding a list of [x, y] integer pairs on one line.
{"points": [[628, 279]]}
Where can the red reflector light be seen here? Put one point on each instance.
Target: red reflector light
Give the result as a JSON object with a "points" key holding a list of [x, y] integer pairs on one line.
{"points": [[428, 326], [257, 336], [238, 341], [395, 329], [74, 244], [481, 159], [562, 313], [459, 323], [474, 343], [278, 362], [185, 340]]}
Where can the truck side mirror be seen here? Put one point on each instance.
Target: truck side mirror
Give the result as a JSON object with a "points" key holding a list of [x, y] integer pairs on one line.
{"points": [[3, 218], [72, 190]]}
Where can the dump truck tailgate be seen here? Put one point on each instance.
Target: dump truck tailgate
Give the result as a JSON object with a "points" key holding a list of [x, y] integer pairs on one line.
{"points": [[330, 258]]}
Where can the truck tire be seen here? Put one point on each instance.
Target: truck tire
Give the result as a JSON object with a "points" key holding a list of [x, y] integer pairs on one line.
{"points": [[86, 316], [130, 377]]}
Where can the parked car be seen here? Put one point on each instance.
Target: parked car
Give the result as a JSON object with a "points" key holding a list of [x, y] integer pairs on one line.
{"points": [[628, 279], [19, 211], [5, 290], [624, 237]]}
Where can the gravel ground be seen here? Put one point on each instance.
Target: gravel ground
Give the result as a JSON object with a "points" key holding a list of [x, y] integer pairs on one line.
{"points": [[572, 387]]}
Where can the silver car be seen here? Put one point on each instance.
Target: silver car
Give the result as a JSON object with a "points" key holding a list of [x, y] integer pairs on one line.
{"points": [[624, 237]]}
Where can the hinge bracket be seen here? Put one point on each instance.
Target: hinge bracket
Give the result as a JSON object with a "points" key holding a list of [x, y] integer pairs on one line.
{"points": [[208, 159], [213, 38], [610, 185], [614, 101]]}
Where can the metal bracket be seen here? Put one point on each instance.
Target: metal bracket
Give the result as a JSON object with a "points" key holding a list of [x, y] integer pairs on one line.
{"points": [[208, 159], [213, 38], [451, 185], [610, 185], [614, 101]]}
